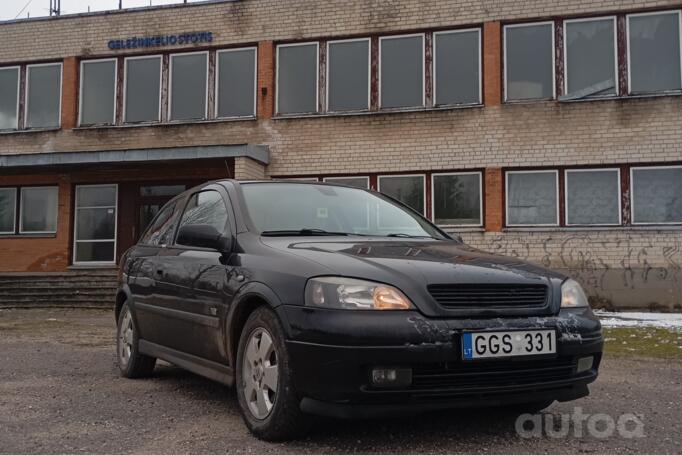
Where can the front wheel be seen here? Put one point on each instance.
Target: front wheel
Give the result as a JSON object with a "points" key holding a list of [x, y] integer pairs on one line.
{"points": [[265, 391], [131, 363]]}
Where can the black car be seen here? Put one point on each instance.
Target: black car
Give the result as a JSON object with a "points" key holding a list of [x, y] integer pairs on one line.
{"points": [[321, 299]]}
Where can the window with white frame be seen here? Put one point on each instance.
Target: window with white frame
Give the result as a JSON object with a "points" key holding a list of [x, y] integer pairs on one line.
{"points": [[593, 197], [408, 189], [357, 182], [38, 210], [236, 83], [43, 95], [98, 92], [457, 63], [590, 55], [9, 98], [532, 198], [457, 199], [142, 93], [188, 86], [348, 75], [401, 71], [529, 61], [297, 78], [95, 224], [8, 208], [654, 52], [656, 195]]}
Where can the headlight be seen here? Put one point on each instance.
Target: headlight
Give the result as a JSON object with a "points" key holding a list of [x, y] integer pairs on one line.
{"points": [[351, 294], [572, 295]]}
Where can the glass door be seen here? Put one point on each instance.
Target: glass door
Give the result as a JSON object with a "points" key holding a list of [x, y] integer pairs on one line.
{"points": [[96, 212]]}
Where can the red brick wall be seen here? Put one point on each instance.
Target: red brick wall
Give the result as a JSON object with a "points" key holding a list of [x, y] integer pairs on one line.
{"points": [[494, 200], [70, 93], [39, 253], [266, 79], [492, 64]]}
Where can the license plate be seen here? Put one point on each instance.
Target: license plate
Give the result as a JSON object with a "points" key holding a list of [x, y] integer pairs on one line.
{"points": [[485, 345]]}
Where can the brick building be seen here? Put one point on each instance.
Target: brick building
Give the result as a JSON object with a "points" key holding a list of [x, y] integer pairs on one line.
{"points": [[547, 130]]}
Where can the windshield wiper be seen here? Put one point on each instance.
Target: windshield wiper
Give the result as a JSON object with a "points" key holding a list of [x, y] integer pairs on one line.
{"points": [[305, 232]]}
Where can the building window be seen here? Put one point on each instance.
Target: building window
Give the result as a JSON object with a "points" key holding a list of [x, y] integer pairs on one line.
{"points": [[348, 75], [457, 67], [188, 86], [408, 189], [357, 182], [43, 95], [8, 210], [95, 224], [656, 195], [236, 83], [9, 98], [142, 90], [591, 60], [297, 78], [401, 71], [529, 61], [654, 52], [98, 92], [532, 198], [593, 197], [457, 199], [38, 209]]}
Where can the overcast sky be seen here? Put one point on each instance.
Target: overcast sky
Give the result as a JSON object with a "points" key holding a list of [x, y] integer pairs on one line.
{"points": [[9, 9]]}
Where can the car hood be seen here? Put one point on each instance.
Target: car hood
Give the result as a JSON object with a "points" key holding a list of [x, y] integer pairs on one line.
{"points": [[413, 264]]}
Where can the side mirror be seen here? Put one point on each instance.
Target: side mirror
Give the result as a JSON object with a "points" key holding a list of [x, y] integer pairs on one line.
{"points": [[203, 236]]}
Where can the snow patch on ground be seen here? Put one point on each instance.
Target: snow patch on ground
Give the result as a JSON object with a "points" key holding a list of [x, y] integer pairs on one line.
{"points": [[632, 319]]}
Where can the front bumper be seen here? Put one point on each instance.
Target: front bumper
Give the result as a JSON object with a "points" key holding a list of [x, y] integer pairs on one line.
{"points": [[332, 354]]}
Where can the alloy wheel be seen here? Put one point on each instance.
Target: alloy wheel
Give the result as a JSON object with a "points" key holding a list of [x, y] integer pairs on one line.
{"points": [[260, 373], [125, 339]]}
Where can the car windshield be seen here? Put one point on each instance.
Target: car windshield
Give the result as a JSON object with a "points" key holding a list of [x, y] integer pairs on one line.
{"points": [[308, 209]]}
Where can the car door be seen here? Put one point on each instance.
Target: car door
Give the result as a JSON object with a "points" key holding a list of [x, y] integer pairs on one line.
{"points": [[145, 276], [192, 290]]}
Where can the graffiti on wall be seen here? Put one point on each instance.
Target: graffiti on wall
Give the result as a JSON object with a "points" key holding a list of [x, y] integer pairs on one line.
{"points": [[606, 263]]}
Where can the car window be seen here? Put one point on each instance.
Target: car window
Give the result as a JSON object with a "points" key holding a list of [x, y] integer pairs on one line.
{"points": [[277, 207], [208, 208], [162, 229]]}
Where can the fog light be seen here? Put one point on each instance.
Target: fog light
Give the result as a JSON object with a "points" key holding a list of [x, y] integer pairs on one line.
{"points": [[585, 363], [391, 377]]}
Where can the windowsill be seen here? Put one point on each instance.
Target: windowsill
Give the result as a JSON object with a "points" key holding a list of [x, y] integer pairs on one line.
{"points": [[162, 124], [93, 266], [377, 112], [461, 229], [644, 228], [32, 130], [28, 236], [624, 97]]}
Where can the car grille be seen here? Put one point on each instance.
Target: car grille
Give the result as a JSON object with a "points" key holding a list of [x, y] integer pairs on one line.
{"points": [[489, 295], [490, 374]]}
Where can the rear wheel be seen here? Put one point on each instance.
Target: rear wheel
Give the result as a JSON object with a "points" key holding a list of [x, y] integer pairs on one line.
{"points": [[267, 399], [131, 363]]}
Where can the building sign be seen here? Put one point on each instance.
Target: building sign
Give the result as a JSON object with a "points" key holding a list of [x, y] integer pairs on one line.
{"points": [[161, 40]]}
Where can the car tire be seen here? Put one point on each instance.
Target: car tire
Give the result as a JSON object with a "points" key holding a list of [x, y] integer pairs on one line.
{"points": [[271, 415], [131, 363]]}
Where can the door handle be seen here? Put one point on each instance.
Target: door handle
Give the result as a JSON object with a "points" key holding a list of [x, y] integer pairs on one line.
{"points": [[158, 273]]}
